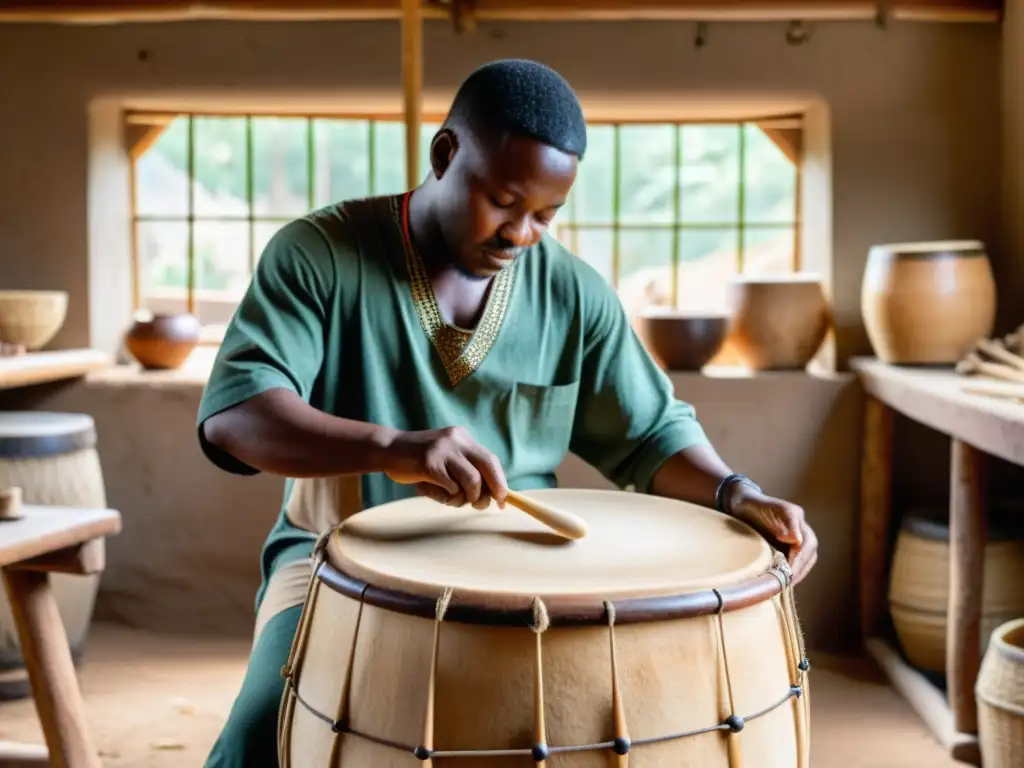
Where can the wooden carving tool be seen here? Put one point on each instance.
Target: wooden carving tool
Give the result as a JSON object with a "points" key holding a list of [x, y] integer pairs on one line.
{"points": [[560, 521], [972, 363], [997, 350]]}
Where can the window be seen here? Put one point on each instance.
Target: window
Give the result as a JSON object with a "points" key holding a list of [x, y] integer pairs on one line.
{"points": [[667, 212]]}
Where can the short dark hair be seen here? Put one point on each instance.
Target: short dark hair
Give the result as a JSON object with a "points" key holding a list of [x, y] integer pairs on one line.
{"points": [[523, 97]]}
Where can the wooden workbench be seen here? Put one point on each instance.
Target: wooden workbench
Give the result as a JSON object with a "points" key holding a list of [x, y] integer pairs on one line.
{"points": [[979, 427], [51, 540]]}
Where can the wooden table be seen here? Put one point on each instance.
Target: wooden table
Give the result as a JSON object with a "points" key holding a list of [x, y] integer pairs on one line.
{"points": [[979, 427], [51, 540]]}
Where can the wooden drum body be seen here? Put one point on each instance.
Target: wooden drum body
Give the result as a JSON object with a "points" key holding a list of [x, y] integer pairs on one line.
{"points": [[52, 457], [927, 303], [666, 637]]}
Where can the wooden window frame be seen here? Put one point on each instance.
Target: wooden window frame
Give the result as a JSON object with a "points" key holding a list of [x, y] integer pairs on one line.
{"points": [[144, 128]]}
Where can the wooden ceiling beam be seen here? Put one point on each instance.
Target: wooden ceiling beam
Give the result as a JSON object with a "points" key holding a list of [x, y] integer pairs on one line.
{"points": [[90, 11]]}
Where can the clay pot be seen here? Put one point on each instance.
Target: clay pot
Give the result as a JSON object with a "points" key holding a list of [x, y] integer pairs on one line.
{"points": [[679, 341], [778, 322], [927, 303], [31, 318], [163, 342]]}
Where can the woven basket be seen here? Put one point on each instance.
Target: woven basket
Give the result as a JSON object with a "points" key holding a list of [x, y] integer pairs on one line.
{"points": [[919, 588], [1000, 696]]}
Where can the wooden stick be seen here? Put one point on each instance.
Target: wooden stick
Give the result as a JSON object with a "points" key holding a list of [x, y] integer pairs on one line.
{"points": [[974, 364], [562, 522], [1007, 390], [997, 350], [1015, 340]]}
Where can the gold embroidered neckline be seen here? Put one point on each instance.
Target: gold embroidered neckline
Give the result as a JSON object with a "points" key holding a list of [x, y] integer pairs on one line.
{"points": [[461, 351]]}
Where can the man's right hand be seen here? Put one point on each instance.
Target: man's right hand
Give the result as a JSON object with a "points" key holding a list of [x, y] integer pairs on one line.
{"points": [[447, 465]]}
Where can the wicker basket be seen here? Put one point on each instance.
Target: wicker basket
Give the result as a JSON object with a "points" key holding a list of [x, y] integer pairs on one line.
{"points": [[919, 588], [1000, 696]]}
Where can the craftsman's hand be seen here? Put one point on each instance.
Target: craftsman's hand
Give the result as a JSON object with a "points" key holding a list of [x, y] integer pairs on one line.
{"points": [[448, 466], [781, 522]]}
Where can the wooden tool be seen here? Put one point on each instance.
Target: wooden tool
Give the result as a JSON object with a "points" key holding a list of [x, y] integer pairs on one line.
{"points": [[1015, 341], [972, 363], [1005, 390], [561, 522], [998, 350]]}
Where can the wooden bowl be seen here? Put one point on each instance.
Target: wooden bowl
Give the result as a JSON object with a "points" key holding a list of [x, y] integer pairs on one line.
{"points": [[927, 303], [681, 341], [163, 342], [31, 318], [778, 322]]}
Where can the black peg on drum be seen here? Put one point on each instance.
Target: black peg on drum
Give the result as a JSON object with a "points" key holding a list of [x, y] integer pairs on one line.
{"points": [[735, 723], [804, 665], [422, 753], [621, 745], [540, 753]]}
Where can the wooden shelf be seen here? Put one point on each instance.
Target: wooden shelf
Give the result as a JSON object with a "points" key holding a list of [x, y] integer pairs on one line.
{"points": [[43, 367], [979, 427], [926, 700], [935, 398]]}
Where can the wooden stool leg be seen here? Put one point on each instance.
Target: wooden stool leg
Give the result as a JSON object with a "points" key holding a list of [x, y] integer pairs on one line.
{"points": [[44, 647]]}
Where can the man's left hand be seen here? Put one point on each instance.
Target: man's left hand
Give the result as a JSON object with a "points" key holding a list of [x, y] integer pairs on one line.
{"points": [[779, 521]]}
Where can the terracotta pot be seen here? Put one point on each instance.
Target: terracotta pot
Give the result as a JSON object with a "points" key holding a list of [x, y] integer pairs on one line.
{"points": [[927, 303], [778, 322], [163, 342], [679, 341], [31, 318]]}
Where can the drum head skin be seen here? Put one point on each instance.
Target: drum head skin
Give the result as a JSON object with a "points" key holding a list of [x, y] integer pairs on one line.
{"points": [[637, 546]]}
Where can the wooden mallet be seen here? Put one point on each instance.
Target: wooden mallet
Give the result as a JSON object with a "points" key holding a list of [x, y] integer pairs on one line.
{"points": [[564, 523]]}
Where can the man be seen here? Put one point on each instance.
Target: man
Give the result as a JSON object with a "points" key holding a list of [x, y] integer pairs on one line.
{"points": [[441, 342]]}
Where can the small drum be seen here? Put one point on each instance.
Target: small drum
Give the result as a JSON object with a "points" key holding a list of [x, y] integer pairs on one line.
{"points": [[431, 635]]}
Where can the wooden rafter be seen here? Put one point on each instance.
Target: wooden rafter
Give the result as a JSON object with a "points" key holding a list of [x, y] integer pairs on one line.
{"points": [[90, 11]]}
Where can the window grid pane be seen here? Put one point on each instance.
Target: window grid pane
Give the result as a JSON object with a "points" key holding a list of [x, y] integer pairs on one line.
{"points": [[645, 198]]}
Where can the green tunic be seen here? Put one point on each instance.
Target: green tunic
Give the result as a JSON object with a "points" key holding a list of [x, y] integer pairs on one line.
{"points": [[340, 311]]}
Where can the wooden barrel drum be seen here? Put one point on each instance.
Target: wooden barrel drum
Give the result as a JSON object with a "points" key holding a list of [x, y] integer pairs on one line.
{"points": [[919, 587], [432, 635], [52, 457], [927, 303]]}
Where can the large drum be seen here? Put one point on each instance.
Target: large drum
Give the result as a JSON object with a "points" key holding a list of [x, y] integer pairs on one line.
{"points": [[666, 637]]}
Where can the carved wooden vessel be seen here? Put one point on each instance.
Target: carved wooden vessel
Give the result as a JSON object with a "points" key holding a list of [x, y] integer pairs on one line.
{"points": [[779, 322], [926, 303], [679, 341]]}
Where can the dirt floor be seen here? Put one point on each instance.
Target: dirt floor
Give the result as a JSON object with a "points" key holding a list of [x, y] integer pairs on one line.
{"points": [[158, 702]]}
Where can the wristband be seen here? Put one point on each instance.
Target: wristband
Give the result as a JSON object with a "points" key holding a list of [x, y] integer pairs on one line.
{"points": [[726, 484]]}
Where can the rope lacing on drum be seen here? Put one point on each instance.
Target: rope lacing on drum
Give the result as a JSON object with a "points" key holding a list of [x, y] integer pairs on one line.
{"points": [[621, 744]]}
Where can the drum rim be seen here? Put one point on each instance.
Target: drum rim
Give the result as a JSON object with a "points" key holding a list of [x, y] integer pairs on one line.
{"points": [[82, 436], [578, 610]]}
